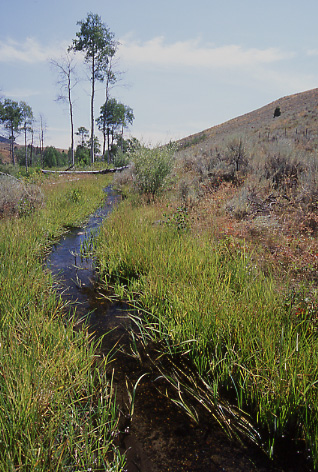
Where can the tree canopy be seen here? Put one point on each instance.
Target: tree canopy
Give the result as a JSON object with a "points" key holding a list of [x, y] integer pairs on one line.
{"points": [[114, 116], [11, 116], [97, 42]]}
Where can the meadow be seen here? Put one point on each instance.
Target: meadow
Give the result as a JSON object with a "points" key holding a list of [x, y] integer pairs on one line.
{"points": [[57, 408], [220, 268], [215, 248], [252, 347]]}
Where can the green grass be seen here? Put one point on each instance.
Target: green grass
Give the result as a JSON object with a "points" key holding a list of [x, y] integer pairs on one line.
{"points": [[248, 341], [57, 408]]}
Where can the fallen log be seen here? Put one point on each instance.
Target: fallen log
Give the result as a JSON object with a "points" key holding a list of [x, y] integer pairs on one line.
{"points": [[103, 171]]}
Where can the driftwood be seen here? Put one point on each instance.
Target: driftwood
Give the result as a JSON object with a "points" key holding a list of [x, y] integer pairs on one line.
{"points": [[103, 171]]}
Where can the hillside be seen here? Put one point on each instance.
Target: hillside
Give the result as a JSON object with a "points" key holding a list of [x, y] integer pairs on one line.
{"points": [[4, 150], [255, 178], [299, 117]]}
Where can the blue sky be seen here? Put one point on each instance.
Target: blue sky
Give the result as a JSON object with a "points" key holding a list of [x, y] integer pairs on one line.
{"points": [[187, 65]]}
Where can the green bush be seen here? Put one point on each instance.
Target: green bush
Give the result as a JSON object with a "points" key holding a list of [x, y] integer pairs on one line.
{"points": [[82, 155], [121, 159], [54, 158], [152, 167]]}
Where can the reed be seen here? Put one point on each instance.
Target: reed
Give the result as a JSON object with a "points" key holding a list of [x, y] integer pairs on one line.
{"points": [[57, 408], [246, 338]]}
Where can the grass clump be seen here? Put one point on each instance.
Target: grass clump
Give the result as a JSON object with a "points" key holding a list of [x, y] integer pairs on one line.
{"points": [[207, 300], [57, 409]]}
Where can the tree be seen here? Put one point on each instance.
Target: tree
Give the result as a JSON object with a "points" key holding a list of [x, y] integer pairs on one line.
{"points": [[105, 122], [11, 117], [83, 133], [127, 119], [66, 68], [113, 115], [31, 145], [110, 80], [277, 112], [96, 40], [27, 119], [41, 136]]}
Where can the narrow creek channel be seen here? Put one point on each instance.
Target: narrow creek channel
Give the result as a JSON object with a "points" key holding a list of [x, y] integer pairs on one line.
{"points": [[159, 437]]}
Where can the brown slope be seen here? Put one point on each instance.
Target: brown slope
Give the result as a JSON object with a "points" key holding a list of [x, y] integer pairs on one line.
{"points": [[5, 153], [299, 112]]}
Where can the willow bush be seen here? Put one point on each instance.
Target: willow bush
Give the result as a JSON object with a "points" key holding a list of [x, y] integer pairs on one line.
{"points": [[152, 168]]}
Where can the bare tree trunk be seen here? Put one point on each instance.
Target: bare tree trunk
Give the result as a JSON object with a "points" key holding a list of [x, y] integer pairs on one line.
{"points": [[12, 146], [31, 150], [71, 116], [42, 145], [42, 139], [104, 124], [25, 147], [108, 146], [66, 69], [104, 137], [92, 110]]}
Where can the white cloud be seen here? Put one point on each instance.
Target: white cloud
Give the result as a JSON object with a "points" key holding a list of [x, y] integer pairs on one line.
{"points": [[312, 52], [21, 93], [29, 51], [191, 53]]}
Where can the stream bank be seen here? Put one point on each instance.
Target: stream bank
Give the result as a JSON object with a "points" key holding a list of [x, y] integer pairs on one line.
{"points": [[159, 437]]}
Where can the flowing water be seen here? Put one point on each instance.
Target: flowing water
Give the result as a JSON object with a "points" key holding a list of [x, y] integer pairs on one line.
{"points": [[159, 437]]}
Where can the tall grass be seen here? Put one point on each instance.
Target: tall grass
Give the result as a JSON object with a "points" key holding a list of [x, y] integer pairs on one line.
{"points": [[247, 340], [57, 409]]}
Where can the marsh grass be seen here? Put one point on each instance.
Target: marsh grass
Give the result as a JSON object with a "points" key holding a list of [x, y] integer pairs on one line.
{"points": [[207, 300], [57, 408]]}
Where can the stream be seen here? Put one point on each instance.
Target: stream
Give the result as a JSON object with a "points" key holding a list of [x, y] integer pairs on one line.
{"points": [[159, 437]]}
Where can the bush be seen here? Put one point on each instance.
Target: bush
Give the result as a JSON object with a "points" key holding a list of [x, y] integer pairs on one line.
{"points": [[283, 172], [54, 158], [152, 167], [236, 154], [121, 159], [82, 155], [17, 197]]}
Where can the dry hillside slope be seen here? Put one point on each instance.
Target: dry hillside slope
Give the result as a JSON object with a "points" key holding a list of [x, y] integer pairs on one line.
{"points": [[256, 177], [299, 112]]}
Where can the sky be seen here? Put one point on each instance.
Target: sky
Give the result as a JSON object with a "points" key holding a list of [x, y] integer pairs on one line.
{"points": [[183, 66]]}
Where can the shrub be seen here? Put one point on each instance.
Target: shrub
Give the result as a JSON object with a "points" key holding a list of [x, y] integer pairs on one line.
{"points": [[82, 155], [121, 159], [152, 167], [54, 158], [17, 197], [236, 154], [283, 172]]}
